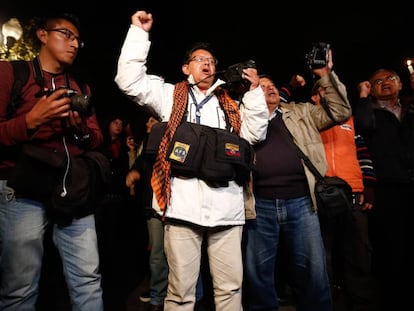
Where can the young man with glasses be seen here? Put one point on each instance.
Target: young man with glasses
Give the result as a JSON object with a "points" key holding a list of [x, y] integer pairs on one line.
{"points": [[195, 210], [47, 121]]}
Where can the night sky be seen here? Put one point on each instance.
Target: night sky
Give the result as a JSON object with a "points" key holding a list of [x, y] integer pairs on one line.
{"points": [[362, 38]]}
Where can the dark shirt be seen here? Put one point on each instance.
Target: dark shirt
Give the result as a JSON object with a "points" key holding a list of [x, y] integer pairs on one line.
{"points": [[278, 171]]}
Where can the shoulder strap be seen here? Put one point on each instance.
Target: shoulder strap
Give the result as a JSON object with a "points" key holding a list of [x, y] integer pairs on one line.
{"points": [[325, 106], [21, 74], [289, 139]]}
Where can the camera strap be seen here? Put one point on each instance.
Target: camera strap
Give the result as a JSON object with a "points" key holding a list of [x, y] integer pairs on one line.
{"points": [[38, 74], [200, 105], [40, 80]]}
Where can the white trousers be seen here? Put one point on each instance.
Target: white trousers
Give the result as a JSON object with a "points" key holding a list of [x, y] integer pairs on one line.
{"points": [[182, 245]]}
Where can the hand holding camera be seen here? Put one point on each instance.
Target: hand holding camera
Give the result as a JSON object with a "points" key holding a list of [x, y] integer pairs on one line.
{"points": [[47, 109], [318, 55], [234, 73], [242, 76], [319, 59], [78, 102]]}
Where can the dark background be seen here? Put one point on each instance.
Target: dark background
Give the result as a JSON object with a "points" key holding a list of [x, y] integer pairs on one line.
{"points": [[276, 35]]}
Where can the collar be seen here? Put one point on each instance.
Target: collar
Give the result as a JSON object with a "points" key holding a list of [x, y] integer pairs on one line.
{"points": [[275, 112], [385, 104]]}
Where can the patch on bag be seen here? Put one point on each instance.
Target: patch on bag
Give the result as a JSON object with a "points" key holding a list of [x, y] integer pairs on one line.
{"points": [[232, 150], [179, 152]]}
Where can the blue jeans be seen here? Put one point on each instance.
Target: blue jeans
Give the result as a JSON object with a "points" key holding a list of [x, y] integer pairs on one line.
{"points": [[159, 266], [295, 222], [22, 227]]}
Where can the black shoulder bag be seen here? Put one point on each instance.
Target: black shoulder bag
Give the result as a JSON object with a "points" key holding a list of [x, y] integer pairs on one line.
{"points": [[333, 194]]}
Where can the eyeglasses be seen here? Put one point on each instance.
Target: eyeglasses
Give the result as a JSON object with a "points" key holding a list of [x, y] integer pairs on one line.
{"points": [[69, 35], [381, 81], [202, 59]]}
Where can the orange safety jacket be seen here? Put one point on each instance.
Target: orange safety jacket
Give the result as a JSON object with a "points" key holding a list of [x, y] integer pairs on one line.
{"points": [[341, 154]]}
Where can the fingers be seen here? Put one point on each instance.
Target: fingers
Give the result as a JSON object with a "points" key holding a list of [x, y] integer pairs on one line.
{"points": [[132, 177], [141, 18], [250, 74], [367, 206]]}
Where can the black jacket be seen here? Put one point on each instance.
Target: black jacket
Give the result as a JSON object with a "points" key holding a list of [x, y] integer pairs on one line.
{"points": [[390, 141]]}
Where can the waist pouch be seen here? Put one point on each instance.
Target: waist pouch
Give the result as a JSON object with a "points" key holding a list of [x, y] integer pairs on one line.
{"points": [[208, 153], [70, 188], [36, 172]]}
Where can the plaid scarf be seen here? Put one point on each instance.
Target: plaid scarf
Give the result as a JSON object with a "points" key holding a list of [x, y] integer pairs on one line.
{"points": [[160, 180]]}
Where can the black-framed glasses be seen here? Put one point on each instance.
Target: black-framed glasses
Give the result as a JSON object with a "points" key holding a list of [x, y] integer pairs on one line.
{"points": [[69, 35], [381, 81], [202, 59]]}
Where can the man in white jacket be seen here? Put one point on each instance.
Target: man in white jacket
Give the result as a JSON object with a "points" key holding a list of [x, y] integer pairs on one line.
{"points": [[194, 208]]}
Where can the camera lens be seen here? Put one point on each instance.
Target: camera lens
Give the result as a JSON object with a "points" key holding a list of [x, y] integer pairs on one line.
{"points": [[81, 104]]}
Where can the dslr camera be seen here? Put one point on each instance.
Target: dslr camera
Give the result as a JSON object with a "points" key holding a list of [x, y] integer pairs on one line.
{"points": [[78, 102], [318, 56], [234, 73]]}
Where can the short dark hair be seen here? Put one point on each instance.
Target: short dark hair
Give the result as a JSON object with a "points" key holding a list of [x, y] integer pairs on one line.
{"points": [[264, 75], [45, 20], [198, 46], [53, 16]]}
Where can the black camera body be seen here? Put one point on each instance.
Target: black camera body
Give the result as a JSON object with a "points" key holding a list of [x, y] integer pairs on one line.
{"points": [[78, 102], [318, 56], [234, 73]]}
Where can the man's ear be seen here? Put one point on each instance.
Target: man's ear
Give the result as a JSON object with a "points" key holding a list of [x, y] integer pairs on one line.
{"points": [[314, 98], [185, 70], [41, 35], [400, 85]]}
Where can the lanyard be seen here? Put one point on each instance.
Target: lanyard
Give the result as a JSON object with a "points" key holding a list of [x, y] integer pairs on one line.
{"points": [[200, 105]]}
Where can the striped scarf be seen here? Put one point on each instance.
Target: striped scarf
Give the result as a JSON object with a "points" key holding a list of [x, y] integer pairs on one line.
{"points": [[160, 180]]}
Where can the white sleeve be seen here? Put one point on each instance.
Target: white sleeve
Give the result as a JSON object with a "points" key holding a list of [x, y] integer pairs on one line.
{"points": [[255, 115], [149, 91]]}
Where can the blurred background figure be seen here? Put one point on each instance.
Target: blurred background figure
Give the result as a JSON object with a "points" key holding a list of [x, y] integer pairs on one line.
{"points": [[116, 218], [346, 239]]}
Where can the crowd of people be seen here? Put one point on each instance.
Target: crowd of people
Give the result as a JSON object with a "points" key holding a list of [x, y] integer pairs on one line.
{"points": [[188, 200]]}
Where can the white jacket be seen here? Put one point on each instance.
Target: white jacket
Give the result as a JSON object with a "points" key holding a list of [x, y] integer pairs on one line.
{"points": [[192, 200]]}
